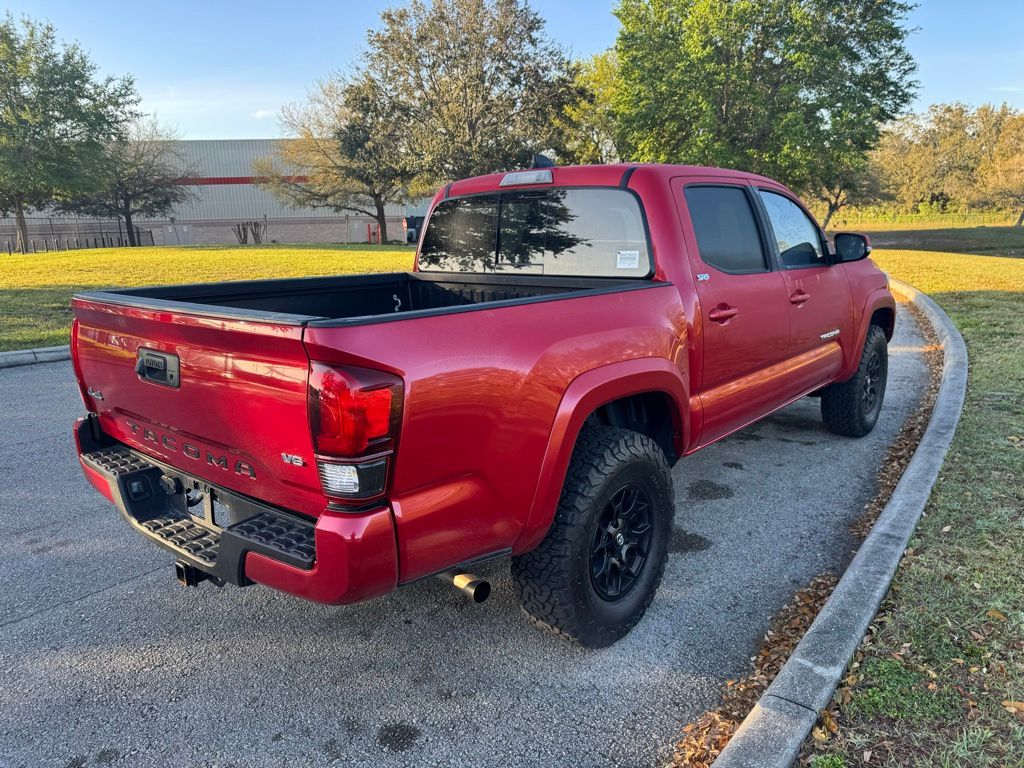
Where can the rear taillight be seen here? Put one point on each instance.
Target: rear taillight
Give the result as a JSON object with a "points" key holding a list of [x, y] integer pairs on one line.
{"points": [[354, 414]]}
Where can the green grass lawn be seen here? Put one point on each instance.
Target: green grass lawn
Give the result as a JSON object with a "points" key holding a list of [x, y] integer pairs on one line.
{"points": [[869, 220], [36, 288], [997, 241], [948, 646]]}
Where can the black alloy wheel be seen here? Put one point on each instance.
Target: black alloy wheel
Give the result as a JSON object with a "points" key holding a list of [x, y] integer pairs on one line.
{"points": [[595, 573], [622, 540], [872, 378], [852, 407]]}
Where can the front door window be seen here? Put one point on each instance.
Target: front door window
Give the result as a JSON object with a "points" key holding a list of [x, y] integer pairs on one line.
{"points": [[798, 238]]}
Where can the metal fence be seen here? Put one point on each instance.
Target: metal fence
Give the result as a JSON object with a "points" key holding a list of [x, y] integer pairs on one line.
{"points": [[69, 233]]}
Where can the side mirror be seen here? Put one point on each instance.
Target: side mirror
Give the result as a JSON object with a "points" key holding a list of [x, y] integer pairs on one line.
{"points": [[851, 246]]}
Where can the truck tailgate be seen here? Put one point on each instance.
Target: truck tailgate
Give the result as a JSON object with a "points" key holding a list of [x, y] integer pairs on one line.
{"points": [[237, 403]]}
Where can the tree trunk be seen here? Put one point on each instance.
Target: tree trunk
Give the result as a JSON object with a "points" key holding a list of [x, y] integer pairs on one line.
{"points": [[832, 210], [22, 225], [382, 221], [1020, 220], [129, 228]]}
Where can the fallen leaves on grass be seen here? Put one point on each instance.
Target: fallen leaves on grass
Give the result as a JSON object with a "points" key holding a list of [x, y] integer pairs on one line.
{"points": [[704, 739], [895, 463], [1015, 708]]}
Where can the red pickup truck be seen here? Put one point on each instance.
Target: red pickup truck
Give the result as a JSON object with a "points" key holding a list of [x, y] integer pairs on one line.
{"points": [[567, 335]]}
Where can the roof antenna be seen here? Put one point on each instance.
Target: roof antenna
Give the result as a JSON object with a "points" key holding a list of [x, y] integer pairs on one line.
{"points": [[542, 161]]}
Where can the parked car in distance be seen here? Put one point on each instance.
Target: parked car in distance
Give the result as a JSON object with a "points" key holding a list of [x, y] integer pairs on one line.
{"points": [[567, 335], [413, 225]]}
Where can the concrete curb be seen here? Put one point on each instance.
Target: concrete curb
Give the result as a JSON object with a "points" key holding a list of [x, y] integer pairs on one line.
{"points": [[773, 732], [33, 356]]}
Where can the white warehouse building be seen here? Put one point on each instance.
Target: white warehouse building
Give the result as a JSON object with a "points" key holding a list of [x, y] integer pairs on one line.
{"points": [[225, 195]]}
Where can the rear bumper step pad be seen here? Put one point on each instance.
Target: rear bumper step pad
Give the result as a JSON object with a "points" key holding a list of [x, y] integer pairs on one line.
{"points": [[176, 511], [186, 536]]}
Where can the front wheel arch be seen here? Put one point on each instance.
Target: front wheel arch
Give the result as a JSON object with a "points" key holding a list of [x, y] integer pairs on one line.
{"points": [[879, 310], [885, 318]]}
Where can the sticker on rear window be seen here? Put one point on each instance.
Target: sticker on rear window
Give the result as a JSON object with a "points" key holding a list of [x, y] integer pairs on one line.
{"points": [[627, 260]]}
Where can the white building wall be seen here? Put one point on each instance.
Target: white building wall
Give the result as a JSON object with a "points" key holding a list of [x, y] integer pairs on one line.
{"points": [[342, 229], [225, 195]]}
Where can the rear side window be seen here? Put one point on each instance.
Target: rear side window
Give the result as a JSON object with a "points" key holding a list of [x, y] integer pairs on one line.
{"points": [[797, 236], [727, 234], [461, 235], [569, 232]]}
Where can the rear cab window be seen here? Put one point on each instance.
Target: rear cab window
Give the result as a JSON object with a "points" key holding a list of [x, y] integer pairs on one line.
{"points": [[579, 232], [725, 226]]}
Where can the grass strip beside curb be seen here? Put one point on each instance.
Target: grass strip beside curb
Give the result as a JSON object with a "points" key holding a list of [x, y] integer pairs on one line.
{"points": [[773, 733]]}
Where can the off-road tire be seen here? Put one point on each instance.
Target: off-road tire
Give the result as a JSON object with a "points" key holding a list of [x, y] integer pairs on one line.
{"points": [[555, 581], [851, 407]]}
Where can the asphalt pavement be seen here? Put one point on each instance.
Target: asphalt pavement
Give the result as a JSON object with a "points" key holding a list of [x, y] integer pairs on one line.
{"points": [[106, 660]]}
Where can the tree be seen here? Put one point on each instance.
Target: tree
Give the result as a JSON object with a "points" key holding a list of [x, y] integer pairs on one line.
{"points": [[851, 182], [478, 83], [589, 127], [347, 151], [940, 157], [933, 159], [55, 118], [141, 175], [793, 90], [902, 171], [1001, 172]]}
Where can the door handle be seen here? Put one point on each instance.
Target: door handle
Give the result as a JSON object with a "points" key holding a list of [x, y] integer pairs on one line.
{"points": [[723, 313], [799, 297]]}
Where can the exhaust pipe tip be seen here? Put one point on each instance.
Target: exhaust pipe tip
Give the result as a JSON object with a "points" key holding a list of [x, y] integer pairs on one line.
{"points": [[473, 587]]}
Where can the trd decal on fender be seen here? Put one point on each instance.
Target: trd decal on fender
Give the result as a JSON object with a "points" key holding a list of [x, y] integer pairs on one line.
{"points": [[171, 443]]}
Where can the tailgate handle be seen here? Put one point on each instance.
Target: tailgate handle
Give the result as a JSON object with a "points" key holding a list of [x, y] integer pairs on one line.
{"points": [[158, 367]]}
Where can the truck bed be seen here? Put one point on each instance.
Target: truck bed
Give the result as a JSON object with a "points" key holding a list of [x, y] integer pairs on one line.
{"points": [[355, 299], [242, 352]]}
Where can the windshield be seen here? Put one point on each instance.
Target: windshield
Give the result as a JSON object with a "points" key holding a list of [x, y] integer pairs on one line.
{"points": [[571, 232]]}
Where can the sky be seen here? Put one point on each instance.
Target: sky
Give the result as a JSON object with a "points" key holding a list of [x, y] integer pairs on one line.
{"points": [[222, 70]]}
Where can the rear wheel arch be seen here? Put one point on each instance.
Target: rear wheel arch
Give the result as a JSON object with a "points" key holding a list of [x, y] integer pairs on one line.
{"points": [[650, 413], [606, 395]]}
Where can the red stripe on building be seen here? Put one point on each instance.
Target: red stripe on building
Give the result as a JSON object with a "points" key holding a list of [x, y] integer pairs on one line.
{"points": [[211, 181]]}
